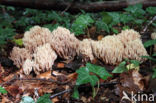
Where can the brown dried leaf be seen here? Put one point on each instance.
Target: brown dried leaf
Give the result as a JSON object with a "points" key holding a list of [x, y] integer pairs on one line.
{"points": [[14, 90], [72, 76], [55, 100], [138, 79], [5, 100], [127, 82]]}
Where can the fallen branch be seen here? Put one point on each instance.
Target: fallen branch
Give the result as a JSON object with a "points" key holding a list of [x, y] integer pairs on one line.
{"points": [[146, 27], [76, 6], [34, 79], [60, 93], [82, 86]]}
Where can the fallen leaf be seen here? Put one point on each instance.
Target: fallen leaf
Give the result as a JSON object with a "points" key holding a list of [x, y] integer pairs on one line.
{"points": [[5, 100], [47, 75], [138, 79], [14, 90], [72, 76], [55, 100]]}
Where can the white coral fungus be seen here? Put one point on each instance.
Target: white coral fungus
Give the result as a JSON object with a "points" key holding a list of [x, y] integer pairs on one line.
{"points": [[128, 35], [41, 45], [44, 58], [110, 49], [19, 55], [28, 66], [86, 49], [134, 50], [64, 43], [35, 37]]}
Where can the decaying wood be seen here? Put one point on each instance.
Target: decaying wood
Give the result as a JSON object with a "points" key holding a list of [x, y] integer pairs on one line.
{"points": [[76, 6]]}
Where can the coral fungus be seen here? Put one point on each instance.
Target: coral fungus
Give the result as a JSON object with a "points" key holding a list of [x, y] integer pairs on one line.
{"points": [[35, 37], [85, 48], [19, 55], [42, 47], [64, 43], [44, 58], [110, 49]]}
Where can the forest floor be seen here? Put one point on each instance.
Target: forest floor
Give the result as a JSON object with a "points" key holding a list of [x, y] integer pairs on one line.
{"points": [[59, 85]]}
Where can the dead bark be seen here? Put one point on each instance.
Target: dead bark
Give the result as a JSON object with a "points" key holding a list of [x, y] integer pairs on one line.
{"points": [[76, 6]]}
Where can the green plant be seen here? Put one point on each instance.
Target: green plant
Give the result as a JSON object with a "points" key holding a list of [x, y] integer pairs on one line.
{"points": [[123, 67], [2, 90], [148, 44], [81, 23], [151, 10], [153, 57], [6, 34], [43, 99], [85, 77], [27, 99], [154, 73]]}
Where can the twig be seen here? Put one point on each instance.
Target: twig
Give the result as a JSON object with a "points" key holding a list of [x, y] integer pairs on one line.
{"points": [[82, 86], [146, 27], [45, 80], [8, 82], [60, 93], [69, 5], [34, 79]]}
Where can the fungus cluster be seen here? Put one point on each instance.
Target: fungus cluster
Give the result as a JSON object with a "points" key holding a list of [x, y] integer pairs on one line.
{"points": [[19, 55], [64, 43], [85, 48], [133, 46], [41, 48], [35, 37], [110, 49], [38, 55]]}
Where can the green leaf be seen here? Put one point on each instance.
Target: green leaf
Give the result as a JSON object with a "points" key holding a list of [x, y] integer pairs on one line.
{"points": [[2, 90], [115, 17], [139, 21], [78, 29], [53, 15], [154, 73], [102, 26], [115, 30], [135, 62], [27, 99], [81, 23], [126, 18], [84, 77], [121, 68], [150, 58], [151, 10], [106, 18], [154, 24], [44, 99], [18, 42], [50, 26], [135, 10], [125, 27], [149, 43], [75, 93], [100, 71], [154, 54]]}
